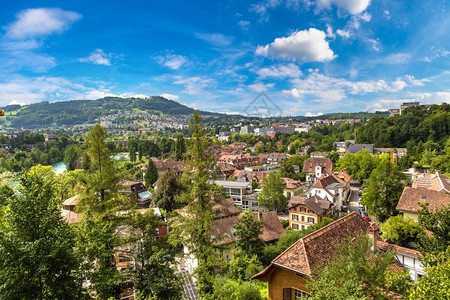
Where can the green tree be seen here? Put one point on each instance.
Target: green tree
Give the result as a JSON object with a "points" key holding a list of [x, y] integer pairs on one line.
{"points": [[132, 148], [272, 191], [37, 260], [151, 174], [237, 290], [167, 187], [247, 230], [153, 274], [71, 157], [401, 230], [6, 193], [356, 273], [386, 185], [438, 222], [359, 165], [200, 195], [435, 284], [180, 147], [242, 266], [86, 161]]}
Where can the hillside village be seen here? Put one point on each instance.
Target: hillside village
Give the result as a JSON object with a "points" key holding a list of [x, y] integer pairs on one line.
{"points": [[277, 200]]}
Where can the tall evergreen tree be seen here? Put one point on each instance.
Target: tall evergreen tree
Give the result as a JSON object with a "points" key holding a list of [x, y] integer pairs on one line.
{"points": [[200, 196], [180, 147], [37, 260], [151, 174]]}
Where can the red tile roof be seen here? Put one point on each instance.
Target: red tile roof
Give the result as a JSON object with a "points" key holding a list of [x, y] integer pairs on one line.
{"points": [[311, 163], [272, 228], [409, 201]]}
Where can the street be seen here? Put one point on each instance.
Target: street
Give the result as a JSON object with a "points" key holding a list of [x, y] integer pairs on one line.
{"points": [[353, 203]]}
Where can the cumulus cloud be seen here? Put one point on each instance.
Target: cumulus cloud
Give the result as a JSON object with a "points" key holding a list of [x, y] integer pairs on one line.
{"points": [[310, 114], [38, 22], [260, 87], [351, 6], [216, 39], [97, 57], [302, 46], [23, 90], [329, 90], [172, 61], [195, 85], [424, 98], [280, 71], [170, 96]]}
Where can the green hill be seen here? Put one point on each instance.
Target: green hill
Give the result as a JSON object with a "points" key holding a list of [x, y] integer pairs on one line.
{"points": [[86, 111]]}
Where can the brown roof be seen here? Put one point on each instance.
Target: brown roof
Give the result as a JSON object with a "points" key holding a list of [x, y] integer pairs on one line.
{"points": [[317, 204], [227, 205], [318, 247], [272, 228], [325, 181], [312, 162], [290, 183], [433, 181], [295, 200], [342, 176], [412, 196], [72, 201], [398, 249], [71, 217]]}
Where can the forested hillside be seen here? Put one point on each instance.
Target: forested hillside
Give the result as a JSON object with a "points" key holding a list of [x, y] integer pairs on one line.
{"points": [[87, 111]]}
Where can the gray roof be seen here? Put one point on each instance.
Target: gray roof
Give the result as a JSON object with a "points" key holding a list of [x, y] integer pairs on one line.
{"points": [[358, 147], [233, 184]]}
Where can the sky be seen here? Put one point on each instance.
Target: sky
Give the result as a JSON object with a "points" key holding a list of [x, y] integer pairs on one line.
{"points": [[307, 57]]}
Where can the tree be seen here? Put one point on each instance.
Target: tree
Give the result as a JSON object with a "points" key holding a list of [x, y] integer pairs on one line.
{"points": [[153, 274], [86, 161], [132, 148], [359, 165], [237, 290], [356, 273], [272, 191], [401, 230], [200, 195], [436, 283], [37, 260], [180, 147], [167, 187], [6, 193], [71, 156], [386, 185], [438, 222], [151, 174], [247, 230], [243, 266]]}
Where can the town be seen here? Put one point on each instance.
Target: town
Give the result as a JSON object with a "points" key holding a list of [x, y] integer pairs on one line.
{"points": [[257, 210]]}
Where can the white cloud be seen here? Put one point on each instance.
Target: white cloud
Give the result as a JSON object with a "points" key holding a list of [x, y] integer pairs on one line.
{"points": [[375, 43], [330, 32], [172, 61], [310, 114], [195, 85], [423, 98], [260, 87], [396, 58], [343, 33], [280, 71], [170, 96], [38, 22], [303, 46], [97, 57], [244, 24], [23, 90], [436, 53], [216, 39], [351, 6]]}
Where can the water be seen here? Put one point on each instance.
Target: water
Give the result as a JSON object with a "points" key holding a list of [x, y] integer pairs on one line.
{"points": [[59, 167]]}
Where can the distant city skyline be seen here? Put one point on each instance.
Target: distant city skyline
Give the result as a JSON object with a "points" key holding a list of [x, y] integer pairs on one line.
{"points": [[309, 57]]}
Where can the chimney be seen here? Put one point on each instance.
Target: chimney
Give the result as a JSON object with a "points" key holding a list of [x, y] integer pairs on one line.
{"points": [[372, 231], [260, 213]]}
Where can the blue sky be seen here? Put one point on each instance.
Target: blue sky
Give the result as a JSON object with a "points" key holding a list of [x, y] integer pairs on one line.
{"points": [[308, 56]]}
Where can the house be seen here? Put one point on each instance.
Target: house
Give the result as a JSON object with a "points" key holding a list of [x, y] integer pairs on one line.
{"points": [[276, 158], [292, 187], [289, 273], [398, 152], [330, 188], [411, 197], [340, 146], [318, 155], [169, 164], [304, 212], [316, 168], [138, 193], [433, 181], [241, 192], [359, 147], [68, 211]]}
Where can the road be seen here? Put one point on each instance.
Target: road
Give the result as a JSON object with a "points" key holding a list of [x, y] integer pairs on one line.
{"points": [[354, 203]]}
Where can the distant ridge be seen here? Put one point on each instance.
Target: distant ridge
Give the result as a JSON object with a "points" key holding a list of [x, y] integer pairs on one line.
{"points": [[75, 112]]}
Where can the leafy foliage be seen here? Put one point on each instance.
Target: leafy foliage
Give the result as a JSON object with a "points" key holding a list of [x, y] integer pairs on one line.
{"points": [[438, 222], [272, 191], [151, 174], [401, 230], [247, 230], [167, 187]]}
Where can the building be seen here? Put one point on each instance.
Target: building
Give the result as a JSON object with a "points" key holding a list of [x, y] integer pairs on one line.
{"points": [[170, 165], [138, 193], [276, 158], [330, 188], [304, 212], [241, 192], [69, 211], [318, 155], [340, 146], [359, 147], [292, 187], [289, 273], [405, 105], [398, 152], [303, 128], [394, 112], [247, 129], [433, 181], [409, 206], [316, 168]]}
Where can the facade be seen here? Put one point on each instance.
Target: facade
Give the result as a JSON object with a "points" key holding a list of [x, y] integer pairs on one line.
{"points": [[292, 187], [304, 212], [241, 192], [316, 168], [330, 188], [247, 129], [138, 193], [405, 105]]}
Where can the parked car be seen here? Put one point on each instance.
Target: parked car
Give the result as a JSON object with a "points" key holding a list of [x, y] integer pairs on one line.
{"points": [[360, 192], [366, 218], [361, 206]]}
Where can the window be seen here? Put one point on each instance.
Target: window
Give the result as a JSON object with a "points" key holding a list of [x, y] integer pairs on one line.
{"points": [[288, 195], [295, 226], [300, 295], [303, 218], [311, 220], [295, 217], [302, 209], [287, 294], [310, 211], [303, 227]]}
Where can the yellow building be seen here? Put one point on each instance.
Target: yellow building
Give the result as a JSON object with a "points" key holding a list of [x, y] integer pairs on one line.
{"points": [[304, 212], [292, 187]]}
